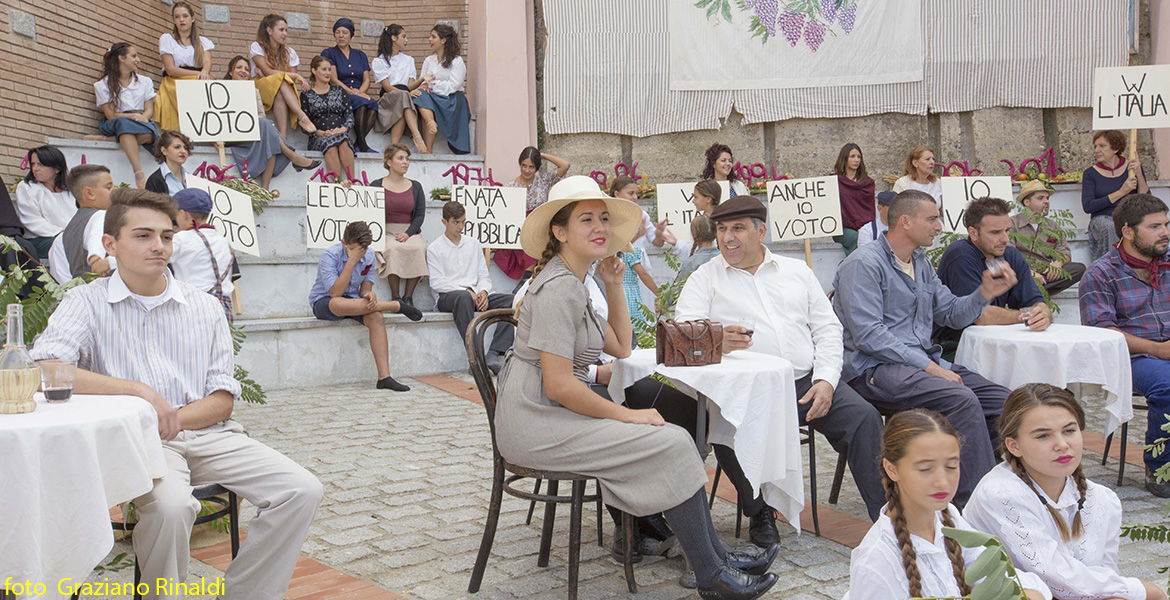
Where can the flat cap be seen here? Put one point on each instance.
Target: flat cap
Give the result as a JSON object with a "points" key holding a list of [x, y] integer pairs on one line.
{"points": [[740, 207]]}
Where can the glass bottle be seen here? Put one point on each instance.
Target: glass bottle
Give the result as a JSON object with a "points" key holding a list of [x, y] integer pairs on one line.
{"points": [[19, 374]]}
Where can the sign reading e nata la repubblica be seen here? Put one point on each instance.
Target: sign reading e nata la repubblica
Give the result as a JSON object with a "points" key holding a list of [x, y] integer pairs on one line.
{"points": [[494, 214]]}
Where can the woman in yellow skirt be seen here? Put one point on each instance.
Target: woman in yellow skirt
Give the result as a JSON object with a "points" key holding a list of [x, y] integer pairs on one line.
{"points": [[185, 55], [274, 69]]}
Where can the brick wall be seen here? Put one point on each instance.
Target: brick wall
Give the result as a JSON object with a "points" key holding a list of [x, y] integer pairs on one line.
{"points": [[46, 83]]}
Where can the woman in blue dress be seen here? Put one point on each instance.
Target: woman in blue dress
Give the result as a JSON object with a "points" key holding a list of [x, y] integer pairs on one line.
{"points": [[351, 71]]}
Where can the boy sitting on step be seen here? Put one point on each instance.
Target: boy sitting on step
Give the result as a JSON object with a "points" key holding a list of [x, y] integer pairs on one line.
{"points": [[78, 250], [202, 257], [461, 282], [345, 290]]}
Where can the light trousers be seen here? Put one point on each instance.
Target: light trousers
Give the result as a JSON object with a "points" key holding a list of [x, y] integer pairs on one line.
{"points": [[285, 495]]}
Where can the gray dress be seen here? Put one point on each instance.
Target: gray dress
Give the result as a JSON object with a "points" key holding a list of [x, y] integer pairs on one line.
{"points": [[643, 469]]}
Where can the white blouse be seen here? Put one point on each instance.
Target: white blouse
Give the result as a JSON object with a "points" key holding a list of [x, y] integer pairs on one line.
{"points": [[255, 50], [43, 213], [184, 56], [447, 80], [934, 188], [876, 571], [131, 98], [399, 69], [1082, 569]]}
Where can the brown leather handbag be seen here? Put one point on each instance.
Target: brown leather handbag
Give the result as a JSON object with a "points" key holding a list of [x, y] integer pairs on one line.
{"points": [[689, 343]]}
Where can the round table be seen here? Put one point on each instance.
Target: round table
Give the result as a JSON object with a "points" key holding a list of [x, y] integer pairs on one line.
{"points": [[752, 402], [1083, 359], [64, 466]]}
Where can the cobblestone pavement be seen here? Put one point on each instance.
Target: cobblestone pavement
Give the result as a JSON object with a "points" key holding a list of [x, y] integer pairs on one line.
{"points": [[407, 480]]}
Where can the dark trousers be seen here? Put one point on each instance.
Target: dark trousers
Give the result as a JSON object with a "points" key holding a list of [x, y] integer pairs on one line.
{"points": [[462, 307], [1075, 271], [971, 408], [853, 428], [1151, 378]]}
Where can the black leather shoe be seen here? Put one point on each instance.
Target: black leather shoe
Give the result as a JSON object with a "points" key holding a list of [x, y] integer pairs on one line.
{"points": [[733, 584], [754, 563], [618, 550], [654, 526], [763, 531]]}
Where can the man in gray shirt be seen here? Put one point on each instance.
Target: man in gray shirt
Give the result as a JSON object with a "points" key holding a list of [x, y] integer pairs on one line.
{"points": [[888, 300]]}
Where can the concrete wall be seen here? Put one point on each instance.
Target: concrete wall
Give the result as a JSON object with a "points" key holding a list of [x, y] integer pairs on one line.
{"points": [[1160, 51]]}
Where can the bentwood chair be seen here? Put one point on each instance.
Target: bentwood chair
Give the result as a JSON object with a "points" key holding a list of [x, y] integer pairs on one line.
{"points": [[229, 508], [1139, 404], [505, 474], [806, 439]]}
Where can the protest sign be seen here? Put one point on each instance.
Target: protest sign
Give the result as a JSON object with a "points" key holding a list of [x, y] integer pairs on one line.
{"points": [[329, 208], [801, 209], [675, 202], [231, 215], [494, 214], [217, 111], [1131, 97], [957, 192]]}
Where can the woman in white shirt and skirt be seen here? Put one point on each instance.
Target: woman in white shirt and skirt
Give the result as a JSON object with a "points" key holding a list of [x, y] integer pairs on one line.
{"points": [[440, 99], [395, 73], [43, 201]]}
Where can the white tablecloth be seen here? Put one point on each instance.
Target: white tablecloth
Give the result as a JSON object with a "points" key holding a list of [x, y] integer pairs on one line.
{"points": [[62, 467], [753, 409], [1084, 359]]}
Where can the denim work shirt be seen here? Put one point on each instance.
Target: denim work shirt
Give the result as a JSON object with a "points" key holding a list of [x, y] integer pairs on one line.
{"points": [[888, 316]]}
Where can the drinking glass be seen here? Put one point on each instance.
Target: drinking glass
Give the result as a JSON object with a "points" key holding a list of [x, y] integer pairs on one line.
{"points": [[57, 379]]}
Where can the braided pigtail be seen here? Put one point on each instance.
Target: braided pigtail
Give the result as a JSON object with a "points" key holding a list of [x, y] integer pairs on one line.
{"points": [[1078, 527], [1017, 466], [955, 552], [902, 532]]}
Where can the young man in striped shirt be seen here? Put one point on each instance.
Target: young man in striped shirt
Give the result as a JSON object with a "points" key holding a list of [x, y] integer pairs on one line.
{"points": [[140, 332]]}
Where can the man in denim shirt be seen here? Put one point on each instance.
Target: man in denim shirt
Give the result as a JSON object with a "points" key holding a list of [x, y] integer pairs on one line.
{"points": [[1124, 291], [889, 299]]}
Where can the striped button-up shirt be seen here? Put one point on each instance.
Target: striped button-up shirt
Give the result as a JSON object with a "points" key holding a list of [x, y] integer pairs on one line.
{"points": [[182, 347], [1112, 295]]}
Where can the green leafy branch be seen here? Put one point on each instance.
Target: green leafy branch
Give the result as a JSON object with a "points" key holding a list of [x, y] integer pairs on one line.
{"points": [[992, 576]]}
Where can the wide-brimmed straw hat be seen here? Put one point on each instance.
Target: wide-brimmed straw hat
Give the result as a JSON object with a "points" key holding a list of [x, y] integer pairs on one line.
{"points": [[1031, 187], [625, 217]]}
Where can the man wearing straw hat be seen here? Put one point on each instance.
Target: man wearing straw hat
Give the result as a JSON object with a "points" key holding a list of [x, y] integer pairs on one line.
{"points": [[775, 305], [1039, 246]]}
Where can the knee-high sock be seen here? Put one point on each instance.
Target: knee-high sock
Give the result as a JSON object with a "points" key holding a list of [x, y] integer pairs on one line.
{"points": [[691, 522]]}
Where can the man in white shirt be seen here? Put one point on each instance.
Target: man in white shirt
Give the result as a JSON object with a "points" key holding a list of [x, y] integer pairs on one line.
{"points": [[870, 231], [78, 250], [202, 257], [461, 282], [775, 305], [146, 334]]}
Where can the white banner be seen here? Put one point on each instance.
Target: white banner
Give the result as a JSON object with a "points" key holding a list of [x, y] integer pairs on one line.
{"points": [[329, 208], [676, 202], [800, 209], [217, 111], [494, 214], [957, 192], [770, 44], [1131, 97], [231, 215]]}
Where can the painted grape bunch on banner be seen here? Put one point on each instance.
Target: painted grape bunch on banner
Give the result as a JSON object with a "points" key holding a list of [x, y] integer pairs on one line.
{"points": [[810, 20]]}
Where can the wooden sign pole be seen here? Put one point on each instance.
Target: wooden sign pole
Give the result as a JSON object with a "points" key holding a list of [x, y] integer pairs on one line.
{"points": [[1132, 152], [808, 253]]}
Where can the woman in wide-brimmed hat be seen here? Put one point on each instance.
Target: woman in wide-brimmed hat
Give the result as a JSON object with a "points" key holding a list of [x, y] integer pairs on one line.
{"points": [[548, 418]]}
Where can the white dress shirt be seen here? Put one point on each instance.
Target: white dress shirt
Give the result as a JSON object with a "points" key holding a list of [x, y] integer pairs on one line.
{"points": [[792, 316], [184, 56], [91, 242], [131, 98], [43, 213], [1084, 568], [192, 263], [454, 267], [181, 346], [398, 69], [256, 50], [448, 80], [866, 235], [876, 571]]}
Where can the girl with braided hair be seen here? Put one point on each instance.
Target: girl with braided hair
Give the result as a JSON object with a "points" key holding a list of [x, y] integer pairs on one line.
{"points": [[1053, 521], [905, 554]]}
